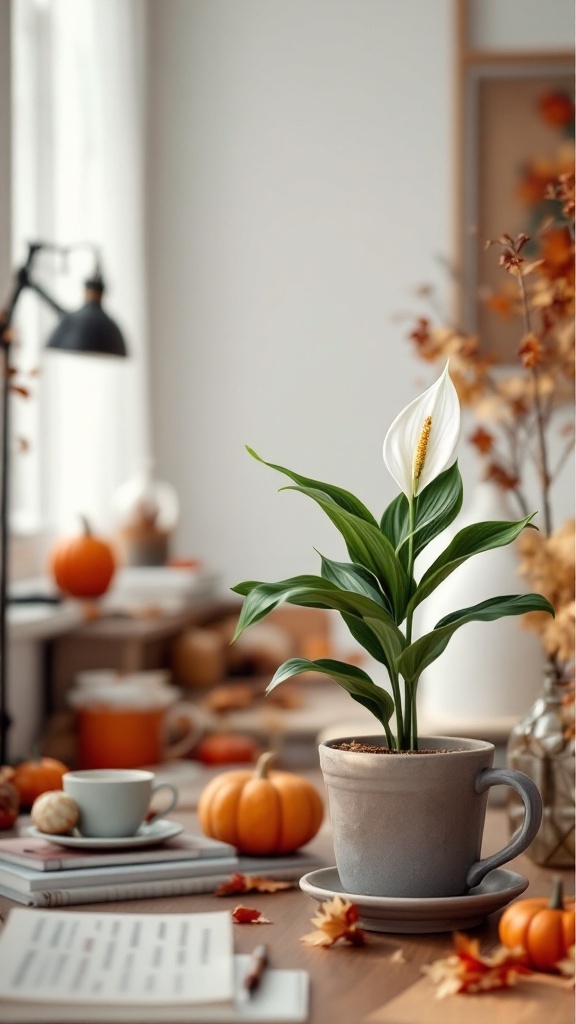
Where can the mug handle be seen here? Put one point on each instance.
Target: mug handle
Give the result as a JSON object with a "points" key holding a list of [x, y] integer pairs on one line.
{"points": [[532, 818], [182, 746], [170, 805]]}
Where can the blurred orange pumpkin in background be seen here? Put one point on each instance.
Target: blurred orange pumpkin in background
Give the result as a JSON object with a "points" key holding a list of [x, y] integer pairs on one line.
{"points": [[9, 798], [36, 776], [227, 748], [82, 566]]}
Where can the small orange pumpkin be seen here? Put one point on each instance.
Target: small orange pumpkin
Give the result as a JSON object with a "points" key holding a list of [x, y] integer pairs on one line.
{"points": [[543, 928], [227, 748], [9, 798], [261, 813], [83, 566], [34, 777]]}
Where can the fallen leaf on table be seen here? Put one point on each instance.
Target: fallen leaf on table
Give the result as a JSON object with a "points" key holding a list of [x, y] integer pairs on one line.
{"points": [[251, 883], [398, 957], [566, 966], [248, 915], [466, 970], [338, 919]]}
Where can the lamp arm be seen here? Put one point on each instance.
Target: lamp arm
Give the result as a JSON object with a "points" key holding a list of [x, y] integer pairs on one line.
{"points": [[23, 280], [47, 298]]}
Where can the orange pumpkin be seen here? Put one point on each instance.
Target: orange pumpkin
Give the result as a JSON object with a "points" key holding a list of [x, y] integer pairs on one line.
{"points": [[543, 928], [83, 566], [227, 748], [31, 778], [9, 798], [261, 812]]}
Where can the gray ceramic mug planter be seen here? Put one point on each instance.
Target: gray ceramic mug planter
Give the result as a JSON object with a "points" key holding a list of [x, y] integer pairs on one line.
{"points": [[411, 825]]}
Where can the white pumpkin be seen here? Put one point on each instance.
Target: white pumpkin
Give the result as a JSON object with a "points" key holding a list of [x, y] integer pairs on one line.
{"points": [[54, 812]]}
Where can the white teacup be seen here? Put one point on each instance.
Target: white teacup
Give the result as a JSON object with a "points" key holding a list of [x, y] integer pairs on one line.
{"points": [[113, 803]]}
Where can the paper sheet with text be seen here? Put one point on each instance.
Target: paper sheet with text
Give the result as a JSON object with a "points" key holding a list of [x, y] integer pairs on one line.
{"points": [[118, 958]]}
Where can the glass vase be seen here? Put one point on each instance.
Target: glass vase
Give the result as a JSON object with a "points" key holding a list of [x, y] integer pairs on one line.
{"points": [[542, 746]]}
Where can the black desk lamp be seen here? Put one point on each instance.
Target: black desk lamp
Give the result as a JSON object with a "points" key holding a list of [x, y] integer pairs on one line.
{"points": [[88, 331]]}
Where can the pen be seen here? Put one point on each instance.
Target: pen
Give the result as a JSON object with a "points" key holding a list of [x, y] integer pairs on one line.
{"points": [[256, 968]]}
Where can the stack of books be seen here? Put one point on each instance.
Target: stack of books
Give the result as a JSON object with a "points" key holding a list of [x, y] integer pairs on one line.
{"points": [[42, 874]]}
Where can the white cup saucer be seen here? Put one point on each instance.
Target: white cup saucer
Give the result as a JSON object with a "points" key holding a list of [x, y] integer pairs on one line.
{"points": [[147, 835], [408, 915]]}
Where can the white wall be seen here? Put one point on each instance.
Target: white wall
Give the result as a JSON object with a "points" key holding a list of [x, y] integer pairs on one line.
{"points": [[300, 187], [5, 150], [514, 25]]}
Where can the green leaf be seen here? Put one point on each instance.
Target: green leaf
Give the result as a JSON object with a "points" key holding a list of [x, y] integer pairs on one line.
{"points": [[395, 518], [391, 640], [355, 578], [368, 547], [354, 680], [472, 540], [245, 588], [427, 648], [310, 592], [366, 637], [436, 508], [344, 499]]}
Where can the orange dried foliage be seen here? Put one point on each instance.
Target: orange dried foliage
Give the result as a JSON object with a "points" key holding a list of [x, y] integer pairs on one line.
{"points": [[465, 970], [482, 439], [556, 109], [248, 915], [525, 415], [336, 921], [239, 883]]}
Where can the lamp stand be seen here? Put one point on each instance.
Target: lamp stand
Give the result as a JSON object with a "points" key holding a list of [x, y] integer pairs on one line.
{"points": [[90, 332], [5, 370]]}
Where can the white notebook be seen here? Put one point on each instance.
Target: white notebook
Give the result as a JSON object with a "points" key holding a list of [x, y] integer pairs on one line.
{"points": [[60, 966]]}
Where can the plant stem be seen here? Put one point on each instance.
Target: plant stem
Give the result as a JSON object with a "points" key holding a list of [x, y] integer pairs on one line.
{"points": [[389, 736], [407, 733], [410, 736], [398, 706], [544, 471]]}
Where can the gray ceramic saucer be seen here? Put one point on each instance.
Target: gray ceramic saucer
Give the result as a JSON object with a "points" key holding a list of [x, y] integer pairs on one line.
{"points": [[447, 914]]}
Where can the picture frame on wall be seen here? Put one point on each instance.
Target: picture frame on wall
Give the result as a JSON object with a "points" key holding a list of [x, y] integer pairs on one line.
{"points": [[516, 131]]}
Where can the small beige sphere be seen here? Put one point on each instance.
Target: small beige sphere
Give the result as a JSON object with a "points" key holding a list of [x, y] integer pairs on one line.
{"points": [[54, 812]]}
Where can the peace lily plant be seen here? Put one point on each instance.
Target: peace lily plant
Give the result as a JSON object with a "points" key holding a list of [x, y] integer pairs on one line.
{"points": [[376, 592]]}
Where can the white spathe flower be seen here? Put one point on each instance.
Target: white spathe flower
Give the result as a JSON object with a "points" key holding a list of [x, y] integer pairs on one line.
{"points": [[422, 441]]}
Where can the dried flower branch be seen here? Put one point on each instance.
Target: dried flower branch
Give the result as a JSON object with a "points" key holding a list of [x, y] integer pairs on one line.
{"points": [[519, 413]]}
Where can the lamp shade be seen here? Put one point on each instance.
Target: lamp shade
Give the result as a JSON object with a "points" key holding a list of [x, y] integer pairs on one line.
{"points": [[89, 330]]}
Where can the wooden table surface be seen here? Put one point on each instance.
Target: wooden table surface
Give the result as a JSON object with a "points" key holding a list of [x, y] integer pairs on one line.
{"points": [[351, 985]]}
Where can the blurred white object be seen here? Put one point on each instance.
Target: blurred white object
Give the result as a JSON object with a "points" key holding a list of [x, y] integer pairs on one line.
{"points": [[170, 588], [147, 512], [489, 672]]}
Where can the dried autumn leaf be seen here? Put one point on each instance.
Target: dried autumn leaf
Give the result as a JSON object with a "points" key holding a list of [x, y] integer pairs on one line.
{"points": [[248, 915], [338, 919], [465, 970], [566, 966], [482, 439], [398, 957], [531, 351], [239, 883]]}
